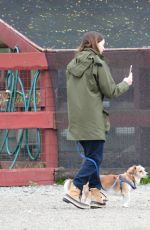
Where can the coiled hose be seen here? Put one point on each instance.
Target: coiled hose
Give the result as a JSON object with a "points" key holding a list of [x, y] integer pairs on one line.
{"points": [[13, 82]]}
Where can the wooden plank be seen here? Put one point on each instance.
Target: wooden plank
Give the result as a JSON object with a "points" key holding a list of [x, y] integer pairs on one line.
{"points": [[23, 61], [29, 120], [21, 164], [49, 134], [28, 176]]}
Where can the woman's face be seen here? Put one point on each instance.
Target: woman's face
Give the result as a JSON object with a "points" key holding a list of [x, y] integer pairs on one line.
{"points": [[100, 46]]}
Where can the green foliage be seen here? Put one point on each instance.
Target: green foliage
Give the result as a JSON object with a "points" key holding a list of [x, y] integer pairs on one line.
{"points": [[60, 181], [145, 180]]}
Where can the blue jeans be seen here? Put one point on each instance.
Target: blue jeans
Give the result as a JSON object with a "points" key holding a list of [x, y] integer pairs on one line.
{"points": [[93, 149]]}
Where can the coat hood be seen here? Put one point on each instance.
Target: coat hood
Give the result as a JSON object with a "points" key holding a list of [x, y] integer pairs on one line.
{"points": [[82, 61]]}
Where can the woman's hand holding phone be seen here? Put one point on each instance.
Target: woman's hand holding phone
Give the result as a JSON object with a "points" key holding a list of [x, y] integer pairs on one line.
{"points": [[129, 79]]}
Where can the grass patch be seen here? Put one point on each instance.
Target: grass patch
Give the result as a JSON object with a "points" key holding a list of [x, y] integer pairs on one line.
{"points": [[60, 181], [145, 180]]}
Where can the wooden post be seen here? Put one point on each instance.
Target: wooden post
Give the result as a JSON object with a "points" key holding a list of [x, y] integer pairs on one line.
{"points": [[49, 137]]}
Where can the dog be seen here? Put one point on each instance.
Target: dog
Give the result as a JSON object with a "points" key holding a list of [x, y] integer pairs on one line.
{"points": [[122, 184]]}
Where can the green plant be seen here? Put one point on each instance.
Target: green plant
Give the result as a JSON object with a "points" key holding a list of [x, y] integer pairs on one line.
{"points": [[145, 180], [60, 181]]}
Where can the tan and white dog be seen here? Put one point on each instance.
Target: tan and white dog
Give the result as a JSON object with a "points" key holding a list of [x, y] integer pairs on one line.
{"points": [[122, 184]]}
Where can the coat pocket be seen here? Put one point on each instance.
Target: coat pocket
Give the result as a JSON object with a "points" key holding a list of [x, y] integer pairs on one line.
{"points": [[106, 121]]}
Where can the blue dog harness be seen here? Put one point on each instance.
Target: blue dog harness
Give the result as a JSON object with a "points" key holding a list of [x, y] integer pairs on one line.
{"points": [[123, 180]]}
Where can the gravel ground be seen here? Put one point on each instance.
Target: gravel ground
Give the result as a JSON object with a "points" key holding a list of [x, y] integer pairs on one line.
{"points": [[41, 208]]}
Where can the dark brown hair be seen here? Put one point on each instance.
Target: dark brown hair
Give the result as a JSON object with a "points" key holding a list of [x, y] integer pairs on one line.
{"points": [[90, 40]]}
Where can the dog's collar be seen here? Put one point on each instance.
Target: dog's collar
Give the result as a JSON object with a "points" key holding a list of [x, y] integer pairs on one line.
{"points": [[123, 180]]}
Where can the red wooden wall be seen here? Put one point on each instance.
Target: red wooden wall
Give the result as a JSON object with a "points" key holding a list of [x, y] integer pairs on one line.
{"points": [[30, 57]]}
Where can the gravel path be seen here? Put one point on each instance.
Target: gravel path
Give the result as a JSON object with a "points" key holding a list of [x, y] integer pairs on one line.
{"points": [[41, 208]]}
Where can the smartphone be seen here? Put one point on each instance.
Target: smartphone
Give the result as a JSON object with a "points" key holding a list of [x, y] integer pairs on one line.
{"points": [[130, 70]]}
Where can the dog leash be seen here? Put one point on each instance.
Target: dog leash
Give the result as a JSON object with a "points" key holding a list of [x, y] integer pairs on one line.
{"points": [[86, 158], [113, 185], [94, 162], [122, 180]]}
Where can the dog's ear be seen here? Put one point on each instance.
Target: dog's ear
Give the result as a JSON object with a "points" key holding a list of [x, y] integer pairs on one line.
{"points": [[132, 169], [135, 167]]}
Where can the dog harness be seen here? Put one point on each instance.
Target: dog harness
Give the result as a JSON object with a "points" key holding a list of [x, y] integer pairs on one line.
{"points": [[123, 180]]}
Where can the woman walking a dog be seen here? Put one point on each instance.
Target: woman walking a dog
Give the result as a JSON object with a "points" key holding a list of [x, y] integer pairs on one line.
{"points": [[88, 82]]}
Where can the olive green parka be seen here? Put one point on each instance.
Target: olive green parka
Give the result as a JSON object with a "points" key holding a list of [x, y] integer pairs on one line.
{"points": [[88, 82]]}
